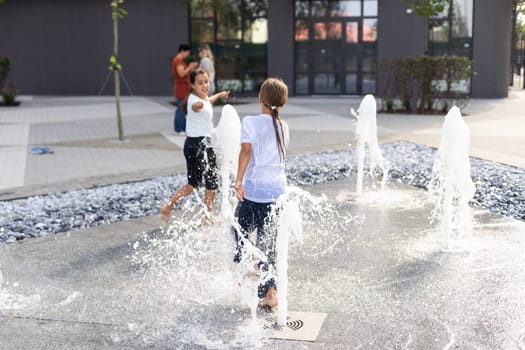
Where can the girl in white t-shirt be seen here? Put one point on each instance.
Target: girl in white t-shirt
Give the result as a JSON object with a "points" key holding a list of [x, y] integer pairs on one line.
{"points": [[200, 156], [260, 180]]}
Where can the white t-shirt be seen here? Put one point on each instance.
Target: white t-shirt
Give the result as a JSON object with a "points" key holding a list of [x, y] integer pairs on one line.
{"points": [[265, 178], [199, 123], [207, 65]]}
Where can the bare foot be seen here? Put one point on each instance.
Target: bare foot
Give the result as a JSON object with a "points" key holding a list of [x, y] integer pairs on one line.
{"points": [[270, 300], [208, 219], [255, 273], [165, 212]]}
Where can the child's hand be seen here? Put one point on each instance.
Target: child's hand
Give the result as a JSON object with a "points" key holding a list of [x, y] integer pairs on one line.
{"points": [[239, 191], [197, 106], [225, 94]]}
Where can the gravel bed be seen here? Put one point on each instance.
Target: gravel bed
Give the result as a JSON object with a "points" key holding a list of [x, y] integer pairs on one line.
{"points": [[499, 188]]}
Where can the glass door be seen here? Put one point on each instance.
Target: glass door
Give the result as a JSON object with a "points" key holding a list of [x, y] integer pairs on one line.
{"points": [[335, 46], [352, 53], [327, 73], [329, 57]]}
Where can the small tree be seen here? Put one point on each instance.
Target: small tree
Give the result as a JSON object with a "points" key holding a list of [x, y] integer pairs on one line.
{"points": [[117, 13]]}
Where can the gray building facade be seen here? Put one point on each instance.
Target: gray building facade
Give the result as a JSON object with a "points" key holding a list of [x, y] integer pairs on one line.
{"points": [[62, 47]]}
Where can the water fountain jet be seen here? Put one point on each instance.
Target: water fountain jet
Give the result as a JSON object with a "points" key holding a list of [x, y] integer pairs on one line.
{"points": [[451, 182], [228, 136], [366, 133]]}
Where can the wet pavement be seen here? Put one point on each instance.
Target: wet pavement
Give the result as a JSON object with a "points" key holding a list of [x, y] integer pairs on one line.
{"points": [[378, 271]]}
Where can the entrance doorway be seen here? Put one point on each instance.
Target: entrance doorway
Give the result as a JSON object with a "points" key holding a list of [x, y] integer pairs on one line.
{"points": [[336, 54]]}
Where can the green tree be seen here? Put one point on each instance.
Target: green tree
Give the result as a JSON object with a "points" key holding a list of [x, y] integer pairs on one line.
{"points": [[117, 13], [426, 8]]}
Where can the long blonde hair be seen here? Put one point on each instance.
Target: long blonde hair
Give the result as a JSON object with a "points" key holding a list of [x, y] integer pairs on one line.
{"points": [[207, 51], [273, 95]]}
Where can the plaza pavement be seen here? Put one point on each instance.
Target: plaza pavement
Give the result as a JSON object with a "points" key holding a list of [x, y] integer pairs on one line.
{"points": [[82, 133], [381, 286]]}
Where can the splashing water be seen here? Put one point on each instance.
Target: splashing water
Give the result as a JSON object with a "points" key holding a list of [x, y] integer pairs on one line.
{"points": [[290, 223], [10, 301], [367, 136], [228, 135], [451, 182], [191, 269], [191, 265]]}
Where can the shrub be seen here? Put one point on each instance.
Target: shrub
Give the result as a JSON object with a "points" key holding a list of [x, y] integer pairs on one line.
{"points": [[425, 83], [8, 93]]}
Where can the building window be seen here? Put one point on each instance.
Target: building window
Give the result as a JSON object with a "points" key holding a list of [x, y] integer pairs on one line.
{"points": [[237, 32], [335, 46], [450, 33]]}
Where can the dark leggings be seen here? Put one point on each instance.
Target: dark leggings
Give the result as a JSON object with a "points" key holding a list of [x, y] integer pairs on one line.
{"points": [[257, 216]]}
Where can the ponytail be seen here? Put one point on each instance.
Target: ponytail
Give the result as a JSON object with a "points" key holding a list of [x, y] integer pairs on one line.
{"points": [[274, 94], [278, 125]]}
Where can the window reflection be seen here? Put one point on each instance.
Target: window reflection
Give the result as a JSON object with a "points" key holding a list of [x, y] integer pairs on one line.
{"points": [[330, 8], [326, 83], [369, 58], [256, 31], [462, 18], [369, 29], [336, 46], [201, 8], [370, 8], [351, 32], [202, 30], [450, 33], [301, 58], [237, 30], [229, 22], [369, 83], [301, 30], [301, 9], [445, 11], [351, 58], [351, 83], [330, 30]]}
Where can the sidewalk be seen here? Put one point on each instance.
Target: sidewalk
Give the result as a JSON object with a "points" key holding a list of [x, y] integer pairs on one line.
{"points": [[82, 133]]}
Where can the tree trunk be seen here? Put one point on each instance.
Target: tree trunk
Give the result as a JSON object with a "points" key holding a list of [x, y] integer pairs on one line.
{"points": [[117, 100], [116, 73]]}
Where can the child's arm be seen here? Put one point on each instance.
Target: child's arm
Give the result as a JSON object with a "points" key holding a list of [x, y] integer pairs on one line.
{"points": [[244, 159], [197, 106], [218, 95]]}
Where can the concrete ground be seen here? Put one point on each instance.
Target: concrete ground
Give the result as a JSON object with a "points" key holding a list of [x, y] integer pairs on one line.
{"points": [[82, 132], [376, 268]]}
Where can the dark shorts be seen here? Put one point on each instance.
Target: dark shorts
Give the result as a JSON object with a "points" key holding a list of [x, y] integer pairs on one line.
{"points": [[201, 162], [262, 217]]}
